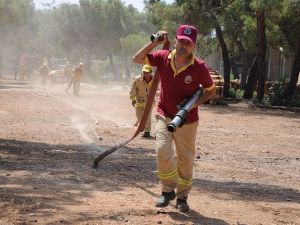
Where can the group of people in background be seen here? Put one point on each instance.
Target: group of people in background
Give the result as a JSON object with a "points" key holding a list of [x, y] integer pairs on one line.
{"points": [[72, 75]]}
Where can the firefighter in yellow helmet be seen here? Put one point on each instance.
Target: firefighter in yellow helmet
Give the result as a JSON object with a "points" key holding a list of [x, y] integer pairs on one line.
{"points": [[43, 71], [77, 75], [139, 93]]}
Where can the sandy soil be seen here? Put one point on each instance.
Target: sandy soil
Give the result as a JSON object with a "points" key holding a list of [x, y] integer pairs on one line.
{"points": [[247, 166]]}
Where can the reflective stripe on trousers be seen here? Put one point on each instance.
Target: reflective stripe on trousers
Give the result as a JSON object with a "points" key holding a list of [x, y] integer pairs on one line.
{"points": [[175, 173]]}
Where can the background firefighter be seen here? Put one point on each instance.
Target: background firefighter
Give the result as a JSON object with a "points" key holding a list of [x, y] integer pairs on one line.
{"points": [[43, 71], [77, 75], [68, 73], [139, 93]]}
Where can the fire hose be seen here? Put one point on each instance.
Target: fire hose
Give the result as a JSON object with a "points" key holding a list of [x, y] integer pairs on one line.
{"points": [[141, 126]]}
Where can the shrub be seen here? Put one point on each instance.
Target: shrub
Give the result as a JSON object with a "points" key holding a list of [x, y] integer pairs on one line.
{"points": [[275, 97]]}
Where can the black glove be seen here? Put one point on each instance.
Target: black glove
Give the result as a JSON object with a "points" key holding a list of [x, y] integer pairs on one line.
{"points": [[133, 102]]}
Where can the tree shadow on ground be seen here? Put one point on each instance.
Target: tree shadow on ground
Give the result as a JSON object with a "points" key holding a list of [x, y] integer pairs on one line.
{"points": [[237, 190], [65, 173], [195, 218], [191, 216], [248, 191], [52, 174], [126, 166], [248, 110]]}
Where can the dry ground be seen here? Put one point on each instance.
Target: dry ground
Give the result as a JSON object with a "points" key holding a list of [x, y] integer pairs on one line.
{"points": [[247, 166]]}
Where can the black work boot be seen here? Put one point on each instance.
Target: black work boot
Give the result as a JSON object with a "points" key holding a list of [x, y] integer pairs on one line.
{"points": [[182, 205], [146, 135], [165, 198]]}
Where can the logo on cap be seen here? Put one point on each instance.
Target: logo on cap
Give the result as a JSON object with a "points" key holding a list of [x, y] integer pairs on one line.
{"points": [[187, 31]]}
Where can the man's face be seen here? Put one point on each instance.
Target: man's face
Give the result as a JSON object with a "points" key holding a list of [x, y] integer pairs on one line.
{"points": [[184, 47], [146, 75]]}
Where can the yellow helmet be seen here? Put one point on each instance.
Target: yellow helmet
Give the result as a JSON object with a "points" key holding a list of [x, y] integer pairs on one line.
{"points": [[147, 69]]}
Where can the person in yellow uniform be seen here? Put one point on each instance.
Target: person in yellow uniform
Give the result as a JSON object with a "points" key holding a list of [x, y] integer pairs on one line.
{"points": [[43, 71], [139, 93], [77, 75], [68, 72], [181, 74]]}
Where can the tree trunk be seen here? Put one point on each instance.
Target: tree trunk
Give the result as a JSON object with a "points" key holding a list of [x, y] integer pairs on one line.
{"points": [[251, 81], [261, 54], [244, 60], [234, 69], [244, 72], [289, 91], [225, 57], [112, 66]]}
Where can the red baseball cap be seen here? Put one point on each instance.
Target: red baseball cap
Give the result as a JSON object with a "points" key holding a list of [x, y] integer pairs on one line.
{"points": [[187, 32]]}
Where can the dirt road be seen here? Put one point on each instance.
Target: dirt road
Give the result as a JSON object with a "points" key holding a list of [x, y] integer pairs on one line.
{"points": [[247, 166]]}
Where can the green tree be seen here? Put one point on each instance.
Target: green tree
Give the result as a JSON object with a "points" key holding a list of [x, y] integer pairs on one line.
{"points": [[14, 15], [289, 26], [46, 39], [104, 26], [261, 53], [137, 29], [131, 44], [70, 34], [206, 15], [264, 10], [240, 34]]}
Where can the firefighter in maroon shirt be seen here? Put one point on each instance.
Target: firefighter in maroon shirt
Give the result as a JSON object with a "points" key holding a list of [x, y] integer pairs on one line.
{"points": [[181, 74]]}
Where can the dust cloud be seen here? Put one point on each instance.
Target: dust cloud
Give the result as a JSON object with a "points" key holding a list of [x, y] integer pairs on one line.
{"points": [[36, 46]]}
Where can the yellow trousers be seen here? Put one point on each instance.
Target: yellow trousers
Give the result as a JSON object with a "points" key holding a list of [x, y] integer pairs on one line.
{"points": [[76, 87], [139, 113], [175, 173]]}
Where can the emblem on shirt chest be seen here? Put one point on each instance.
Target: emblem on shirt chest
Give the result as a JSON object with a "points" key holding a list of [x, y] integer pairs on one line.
{"points": [[188, 79]]}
